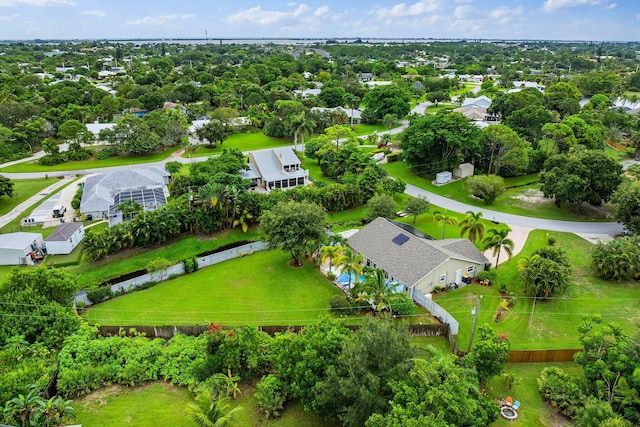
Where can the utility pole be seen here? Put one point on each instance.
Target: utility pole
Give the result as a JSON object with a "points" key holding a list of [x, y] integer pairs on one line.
{"points": [[474, 311]]}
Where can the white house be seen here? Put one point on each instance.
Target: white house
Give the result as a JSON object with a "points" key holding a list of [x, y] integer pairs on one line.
{"points": [[21, 248], [412, 259], [65, 238], [481, 101], [275, 168]]}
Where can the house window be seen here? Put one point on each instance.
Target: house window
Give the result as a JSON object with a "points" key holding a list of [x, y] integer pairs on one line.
{"points": [[300, 181], [470, 269], [443, 277], [292, 182]]}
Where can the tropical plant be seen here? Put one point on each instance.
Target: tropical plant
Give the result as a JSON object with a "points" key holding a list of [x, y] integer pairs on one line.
{"points": [[302, 126], [229, 383], [208, 411], [416, 206], [350, 263], [471, 224], [330, 252], [497, 241], [378, 293], [443, 219]]}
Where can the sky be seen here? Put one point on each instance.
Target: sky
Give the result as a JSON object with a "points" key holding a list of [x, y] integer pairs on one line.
{"points": [[590, 20]]}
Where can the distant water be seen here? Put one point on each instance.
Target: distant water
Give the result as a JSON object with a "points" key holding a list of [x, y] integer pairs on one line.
{"points": [[258, 41]]}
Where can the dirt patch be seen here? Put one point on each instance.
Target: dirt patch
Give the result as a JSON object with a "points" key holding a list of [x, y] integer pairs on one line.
{"points": [[99, 397], [533, 196]]}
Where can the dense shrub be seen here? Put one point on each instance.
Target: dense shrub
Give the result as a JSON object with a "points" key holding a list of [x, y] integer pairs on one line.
{"points": [[190, 265], [485, 187], [394, 157], [108, 152], [270, 396], [243, 350], [181, 357], [339, 304], [402, 305], [560, 390], [100, 294]]}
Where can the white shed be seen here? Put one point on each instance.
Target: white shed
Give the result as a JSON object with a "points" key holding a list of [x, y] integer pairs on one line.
{"points": [[65, 238], [464, 170], [443, 177], [21, 248]]}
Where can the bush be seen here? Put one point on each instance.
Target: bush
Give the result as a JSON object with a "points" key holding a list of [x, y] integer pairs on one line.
{"points": [[403, 305], [75, 203], [560, 391], [339, 304], [551, 241], [108, 152], [190, 265], [270, 396], [484, 275], [331, 276], [100, 294], [486, 187], [394, 157]]}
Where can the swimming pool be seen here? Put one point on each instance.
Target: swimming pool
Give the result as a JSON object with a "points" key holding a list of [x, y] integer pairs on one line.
{"points": [[344, 278]]}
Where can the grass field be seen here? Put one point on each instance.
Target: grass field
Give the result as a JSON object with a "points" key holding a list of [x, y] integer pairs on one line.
{"points": [[243, 142], [506, 203], [556, 320], [363, 129], [533, 412], [90, 164], [22, 190], [160, 404], [126, 261], [261, 289]]}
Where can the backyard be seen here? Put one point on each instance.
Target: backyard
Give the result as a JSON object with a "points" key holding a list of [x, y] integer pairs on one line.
{"points": [[260, 289], [555, 320], [241, 141]]}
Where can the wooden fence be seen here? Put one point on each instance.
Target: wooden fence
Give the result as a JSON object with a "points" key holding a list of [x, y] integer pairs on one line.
{"points": [[542, 356]]}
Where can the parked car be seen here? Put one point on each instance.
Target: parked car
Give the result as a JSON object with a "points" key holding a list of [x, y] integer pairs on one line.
{"points": [[58, 211]]}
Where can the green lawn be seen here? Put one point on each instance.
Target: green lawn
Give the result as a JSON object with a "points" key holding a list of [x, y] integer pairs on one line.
{"points": [[555, 321], [260, 289], [22, 190], [160, 404], [243, 142], [507, 203], [90, 164], [152, 405], [363, 129], [126, 261], [533, 412]]}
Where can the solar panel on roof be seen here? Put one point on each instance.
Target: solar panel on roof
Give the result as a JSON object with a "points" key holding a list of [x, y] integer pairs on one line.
{"points": [[400, 239]]}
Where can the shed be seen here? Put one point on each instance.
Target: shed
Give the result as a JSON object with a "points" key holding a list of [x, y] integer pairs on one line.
{"points": [[464, 170], [21, 248], [65, 238], [443, 177]]}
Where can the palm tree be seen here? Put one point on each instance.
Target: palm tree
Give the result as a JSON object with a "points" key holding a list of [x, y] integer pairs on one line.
{"points": [[303, 126], [443, 220], [210, 412], [352, 102], [330, 252], [243, 220], [229, 383], [471, 224], [379, 294], [497, 241], [351, 262]]}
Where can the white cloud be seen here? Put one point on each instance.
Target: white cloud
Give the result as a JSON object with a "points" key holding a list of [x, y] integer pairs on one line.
{"points": [[8, 17], [402, 9], [97, 13], [321, 11], [475, 20], [554, 5], [159, 20], [257, 15], [37, 3], [612, 6]]}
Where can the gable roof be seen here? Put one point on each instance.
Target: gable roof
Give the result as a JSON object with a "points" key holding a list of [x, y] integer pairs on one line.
{"points": [[413, 259], [480, 101], [269, 163], [19, 240], [63, 232]]}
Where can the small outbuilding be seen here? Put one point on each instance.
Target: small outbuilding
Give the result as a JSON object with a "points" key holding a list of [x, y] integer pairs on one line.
{"points": [[65, 238], [443, 177], [21, 248], [464, 170]]}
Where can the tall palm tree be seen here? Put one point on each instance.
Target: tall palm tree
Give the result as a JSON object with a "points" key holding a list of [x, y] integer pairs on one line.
{"points": [[207, 411], [443, 220], [330, 252], [471, 224], [303, 126], [351, 262], [379, 294], [497, 241], [352, 102]]}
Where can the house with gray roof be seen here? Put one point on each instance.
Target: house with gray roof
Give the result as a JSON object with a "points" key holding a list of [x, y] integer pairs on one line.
{"points": [[275, 168], [103, 193], [414, 260], [65, 239], [21, 248]]}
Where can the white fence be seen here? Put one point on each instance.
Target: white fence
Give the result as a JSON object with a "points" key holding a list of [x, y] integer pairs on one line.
{"points": [[178, 269], [437, 311]]}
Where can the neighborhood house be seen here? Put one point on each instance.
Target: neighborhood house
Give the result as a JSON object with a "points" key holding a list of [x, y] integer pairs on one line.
{"points": [[416, 261], [21, 248], [275, 168], [65, 238], [103, 193]]}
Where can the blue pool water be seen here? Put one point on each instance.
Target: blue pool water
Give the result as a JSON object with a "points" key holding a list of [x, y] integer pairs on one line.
{"points": [[344, 277]]}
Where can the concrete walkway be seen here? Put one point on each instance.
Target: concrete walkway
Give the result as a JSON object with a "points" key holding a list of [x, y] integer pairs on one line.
{"points": [[22, 207]]}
